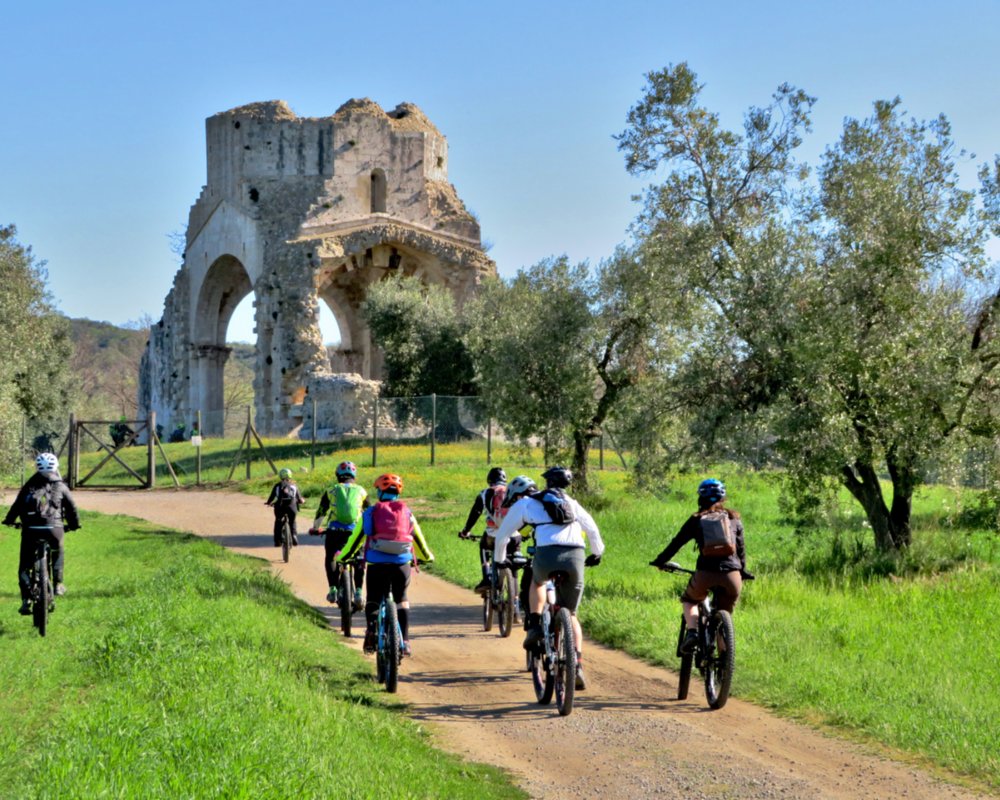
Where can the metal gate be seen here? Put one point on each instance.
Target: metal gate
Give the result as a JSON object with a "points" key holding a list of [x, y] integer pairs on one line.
{"points": [[98, 431]]}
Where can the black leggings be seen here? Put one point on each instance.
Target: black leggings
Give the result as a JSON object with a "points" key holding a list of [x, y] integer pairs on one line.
{"points": [[334, 542], [383, 578], [26, 560], [279, 514]]}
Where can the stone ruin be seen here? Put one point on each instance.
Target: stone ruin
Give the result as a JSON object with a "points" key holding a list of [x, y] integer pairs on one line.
{"points": [[301, 211]]}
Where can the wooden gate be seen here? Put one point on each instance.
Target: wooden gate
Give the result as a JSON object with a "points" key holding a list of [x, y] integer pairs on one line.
{"points": [[129, 432]]}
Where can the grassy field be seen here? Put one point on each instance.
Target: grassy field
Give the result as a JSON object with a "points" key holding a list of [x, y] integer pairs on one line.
{"points": [[176, 669], [898, 652]]}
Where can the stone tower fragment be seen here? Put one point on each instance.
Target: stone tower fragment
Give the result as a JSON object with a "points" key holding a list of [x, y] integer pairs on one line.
{"points": [[301, 211]]}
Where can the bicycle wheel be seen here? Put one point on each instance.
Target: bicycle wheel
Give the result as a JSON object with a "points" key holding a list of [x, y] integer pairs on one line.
{"points": [[684, 679], [488, 611], [392, 645], [40, 594], [286, 540], [346, 599], [565, 666], [722, 660], [541, 678], [507, 595]]}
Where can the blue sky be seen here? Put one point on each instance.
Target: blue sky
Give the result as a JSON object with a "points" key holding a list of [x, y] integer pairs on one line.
{"points": [[102, 147]]}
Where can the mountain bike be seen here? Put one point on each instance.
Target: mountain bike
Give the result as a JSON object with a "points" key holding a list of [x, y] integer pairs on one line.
{"points": [[502, 600], [41, 588], [715, 653], [389, 644], [553, 665]]}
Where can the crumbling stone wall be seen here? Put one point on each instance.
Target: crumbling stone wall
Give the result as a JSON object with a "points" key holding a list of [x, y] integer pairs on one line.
{"points": [[301, 211]]}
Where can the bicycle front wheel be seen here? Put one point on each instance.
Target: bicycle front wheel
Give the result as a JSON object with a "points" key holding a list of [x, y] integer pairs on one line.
{"points": [[541, 678], [565, 666], [391, 655], [286, 540], [346, 599], [488, 610], [41, 594], [507, 591], [721, 661]]}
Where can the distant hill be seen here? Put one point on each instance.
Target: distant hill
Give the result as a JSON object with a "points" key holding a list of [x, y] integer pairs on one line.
{"points": [[105, 364]]}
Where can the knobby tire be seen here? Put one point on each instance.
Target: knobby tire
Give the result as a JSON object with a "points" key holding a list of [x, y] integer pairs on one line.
{"points": [[393, 647], [286, 540], [541, 678], [488, 610], [721, 661], [684, 679], [565, 666], [505, 581], [346, 598], [42, 594]]}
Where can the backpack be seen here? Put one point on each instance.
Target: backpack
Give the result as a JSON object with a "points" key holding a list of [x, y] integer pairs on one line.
{"points": [[287, 492], [495, 512], [36, 502], [393, 531], [717, 537], [557, 506], [347, 499]]}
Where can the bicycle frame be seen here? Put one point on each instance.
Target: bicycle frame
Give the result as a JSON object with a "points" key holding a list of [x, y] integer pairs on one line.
{"points": [[41, 587], [557, 659]]}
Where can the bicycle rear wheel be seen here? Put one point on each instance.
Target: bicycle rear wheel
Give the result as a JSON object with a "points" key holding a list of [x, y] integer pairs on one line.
{"points": [[684, 678], [346, 599], [507, 591], [40, 594], [391, 656], [722, 660], [286, 540], [565, 666]]}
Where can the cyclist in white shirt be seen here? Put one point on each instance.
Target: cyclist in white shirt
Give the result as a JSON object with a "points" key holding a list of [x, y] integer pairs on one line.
{"points": [[563, 529]]}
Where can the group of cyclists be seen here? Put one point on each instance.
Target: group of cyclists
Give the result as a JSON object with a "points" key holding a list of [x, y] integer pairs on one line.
{"points": [[385, 541]]}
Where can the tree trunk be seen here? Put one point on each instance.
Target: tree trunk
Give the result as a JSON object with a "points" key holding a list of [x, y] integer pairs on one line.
{"points": [[891, 527], [581, 455]]}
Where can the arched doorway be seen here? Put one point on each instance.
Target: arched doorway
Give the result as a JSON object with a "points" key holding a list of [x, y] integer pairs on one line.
{"points": [[225, 285]]}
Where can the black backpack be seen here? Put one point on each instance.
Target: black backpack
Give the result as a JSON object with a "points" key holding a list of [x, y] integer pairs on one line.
{"points": [[557, 506], [37, 501], [286, 495]]}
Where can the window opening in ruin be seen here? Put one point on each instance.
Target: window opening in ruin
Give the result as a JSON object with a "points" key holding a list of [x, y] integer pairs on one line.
{"points": [[254, 194], [378, 191]]}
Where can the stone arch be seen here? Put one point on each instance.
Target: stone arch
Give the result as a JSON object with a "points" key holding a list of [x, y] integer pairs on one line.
{"points": [[224, 286]]}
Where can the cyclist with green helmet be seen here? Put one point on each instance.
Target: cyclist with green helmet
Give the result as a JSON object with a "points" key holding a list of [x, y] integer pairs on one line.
{"points": [[339, 513], [286, 500]]}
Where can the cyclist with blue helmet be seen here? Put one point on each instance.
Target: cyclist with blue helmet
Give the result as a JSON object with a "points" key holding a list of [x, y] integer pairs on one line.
{"points": [[286, 499], [45, 508], [721, 568]]}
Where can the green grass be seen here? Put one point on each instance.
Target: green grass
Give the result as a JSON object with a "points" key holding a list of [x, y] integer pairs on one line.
{"points": [[898, 651], [176, 669]]}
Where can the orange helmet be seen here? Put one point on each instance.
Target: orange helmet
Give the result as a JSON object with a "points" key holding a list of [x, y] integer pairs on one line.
{"points": [[389, 483]]}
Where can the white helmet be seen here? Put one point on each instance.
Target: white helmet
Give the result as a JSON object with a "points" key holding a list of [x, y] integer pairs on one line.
{"points": [[47, 462]]}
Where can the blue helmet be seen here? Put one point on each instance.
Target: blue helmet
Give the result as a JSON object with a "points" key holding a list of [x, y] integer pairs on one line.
{"points": [[711, 490]]}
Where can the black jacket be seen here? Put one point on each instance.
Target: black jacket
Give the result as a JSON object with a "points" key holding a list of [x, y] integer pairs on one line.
{"points": [[60, 505], [691, 531]]}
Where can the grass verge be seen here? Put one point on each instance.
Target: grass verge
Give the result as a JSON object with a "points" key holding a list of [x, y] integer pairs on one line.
{"points": [[176, 669]]}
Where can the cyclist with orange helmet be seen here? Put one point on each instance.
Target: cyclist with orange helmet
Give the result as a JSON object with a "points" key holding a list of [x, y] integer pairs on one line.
{"points": [[393, 540], [339, 513]]}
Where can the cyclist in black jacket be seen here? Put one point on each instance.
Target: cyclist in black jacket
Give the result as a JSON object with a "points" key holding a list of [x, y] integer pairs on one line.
{"points": [[45, 508]]}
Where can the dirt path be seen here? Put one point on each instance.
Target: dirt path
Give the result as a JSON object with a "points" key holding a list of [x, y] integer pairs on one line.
{"points": [[625, 738]]}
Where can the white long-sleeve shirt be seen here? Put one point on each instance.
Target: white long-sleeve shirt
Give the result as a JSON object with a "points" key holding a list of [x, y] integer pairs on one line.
{"points": [[528, 511]]}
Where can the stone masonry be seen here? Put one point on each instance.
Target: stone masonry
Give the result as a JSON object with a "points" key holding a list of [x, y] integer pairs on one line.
{"points": [[301, 211]]}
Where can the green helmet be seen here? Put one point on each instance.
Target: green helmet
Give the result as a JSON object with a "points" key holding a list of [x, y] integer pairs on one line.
{"points": [[285, 474]]}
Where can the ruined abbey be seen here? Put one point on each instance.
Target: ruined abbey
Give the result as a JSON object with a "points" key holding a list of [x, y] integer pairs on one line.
{"points": [[302, 211]]}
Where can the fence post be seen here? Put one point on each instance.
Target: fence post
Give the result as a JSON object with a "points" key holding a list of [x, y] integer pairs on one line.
{"points": [[198, 454], [74, 453], [434, 422], [312, 454], [249, 428], [24, 444], [375, 435], [601, 450], [151, 453], [489, 440]]}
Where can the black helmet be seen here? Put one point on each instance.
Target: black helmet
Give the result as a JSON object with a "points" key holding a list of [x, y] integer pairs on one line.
{"points": [[557, 477], [496, 475]]}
